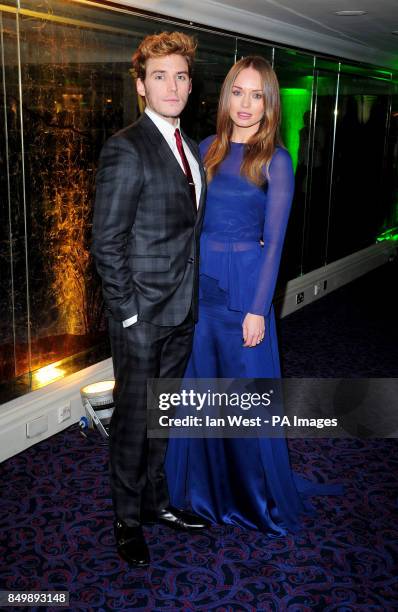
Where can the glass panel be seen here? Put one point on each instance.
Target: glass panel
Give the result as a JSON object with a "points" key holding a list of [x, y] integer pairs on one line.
{"points": [[321, 152], [78, 90], [296, 79], [215, 56], [7, 329], [248, 47], [14, 338], [357, 208], [389, 229]]}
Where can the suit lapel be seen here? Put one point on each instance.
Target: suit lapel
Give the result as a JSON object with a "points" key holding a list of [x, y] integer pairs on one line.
{"points": [[161, 145]]}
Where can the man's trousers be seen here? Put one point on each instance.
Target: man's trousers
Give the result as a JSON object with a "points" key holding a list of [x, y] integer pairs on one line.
{"points": [[140, 352]]}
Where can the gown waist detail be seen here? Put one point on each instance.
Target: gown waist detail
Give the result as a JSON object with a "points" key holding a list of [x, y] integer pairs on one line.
{"points": [[234, 264]]}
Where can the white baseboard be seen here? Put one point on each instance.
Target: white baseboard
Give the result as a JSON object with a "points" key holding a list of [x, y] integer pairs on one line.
{"points": [[44, 404], [335, 274]]}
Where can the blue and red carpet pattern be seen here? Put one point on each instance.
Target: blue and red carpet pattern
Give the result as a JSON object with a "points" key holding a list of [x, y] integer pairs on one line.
{"points": [[56, 515], [57, 534]]}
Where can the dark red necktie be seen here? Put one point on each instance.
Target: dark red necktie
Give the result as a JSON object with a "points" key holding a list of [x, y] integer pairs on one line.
{"points": [[185, 164]]}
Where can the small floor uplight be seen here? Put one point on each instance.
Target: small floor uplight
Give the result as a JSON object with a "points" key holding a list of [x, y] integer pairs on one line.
{"points": [[97, 399]]}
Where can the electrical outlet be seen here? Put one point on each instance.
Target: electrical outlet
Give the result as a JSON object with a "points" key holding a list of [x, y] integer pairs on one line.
{"points": [[37, 426], [64, 413], [300, 297], [317, 287]]}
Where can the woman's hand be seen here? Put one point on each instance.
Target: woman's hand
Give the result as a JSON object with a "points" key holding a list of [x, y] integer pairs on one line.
{"points": [[253, 329]]}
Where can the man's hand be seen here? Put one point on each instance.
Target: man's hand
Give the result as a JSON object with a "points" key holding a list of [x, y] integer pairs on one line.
{"points": [[253, 329]]}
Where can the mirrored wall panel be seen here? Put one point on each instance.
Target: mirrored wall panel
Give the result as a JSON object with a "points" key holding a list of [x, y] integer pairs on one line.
{"points": [[357, 208], [390, 183], [321, 134], [295, 73], [214, 57], [15, 354]]}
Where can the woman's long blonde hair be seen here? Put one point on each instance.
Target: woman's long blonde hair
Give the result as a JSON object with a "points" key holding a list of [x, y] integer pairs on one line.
{"points": [[260, 147]]}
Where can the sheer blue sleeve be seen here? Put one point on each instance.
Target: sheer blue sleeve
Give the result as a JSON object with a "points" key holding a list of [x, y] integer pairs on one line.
{"points": [[279, 196]]}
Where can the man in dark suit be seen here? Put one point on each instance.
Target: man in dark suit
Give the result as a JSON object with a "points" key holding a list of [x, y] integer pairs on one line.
{"points": [[147, 219]]}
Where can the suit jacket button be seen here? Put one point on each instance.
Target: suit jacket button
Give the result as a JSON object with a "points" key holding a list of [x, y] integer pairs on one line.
{"points": [[191, 260]]}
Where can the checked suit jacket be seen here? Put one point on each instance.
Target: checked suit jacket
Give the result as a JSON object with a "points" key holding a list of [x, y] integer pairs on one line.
{"points": [[146, 227]]}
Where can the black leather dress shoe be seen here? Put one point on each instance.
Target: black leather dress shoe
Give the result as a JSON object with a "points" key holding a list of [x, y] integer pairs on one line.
{"points": [[131, 545], [178, 519]]}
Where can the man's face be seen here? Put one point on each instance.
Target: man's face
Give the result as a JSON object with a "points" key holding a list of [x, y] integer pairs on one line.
{"points": [[166, 86]]}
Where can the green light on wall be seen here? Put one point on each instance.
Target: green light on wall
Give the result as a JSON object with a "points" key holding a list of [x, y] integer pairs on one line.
{"points": [[390, 235], [295, 102]]}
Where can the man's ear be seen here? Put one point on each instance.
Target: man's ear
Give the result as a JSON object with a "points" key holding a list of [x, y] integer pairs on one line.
{"points": [[140, 87], [190, 86]]}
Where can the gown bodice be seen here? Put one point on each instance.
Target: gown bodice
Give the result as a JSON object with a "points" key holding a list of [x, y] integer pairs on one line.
{"points": [[239, 217]]}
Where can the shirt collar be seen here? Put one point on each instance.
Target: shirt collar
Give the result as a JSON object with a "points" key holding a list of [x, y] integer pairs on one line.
{"points": [[166, 129]]}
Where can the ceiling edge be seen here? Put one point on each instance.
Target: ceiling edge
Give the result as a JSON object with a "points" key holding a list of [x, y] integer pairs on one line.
{"points": [[215, 15]]}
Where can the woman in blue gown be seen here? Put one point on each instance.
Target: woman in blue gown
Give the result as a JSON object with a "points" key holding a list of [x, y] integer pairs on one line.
{"points": [[245, 482]]}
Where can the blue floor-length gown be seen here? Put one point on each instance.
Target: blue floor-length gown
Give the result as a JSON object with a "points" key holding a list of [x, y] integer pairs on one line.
{"points": [[245, 482]]}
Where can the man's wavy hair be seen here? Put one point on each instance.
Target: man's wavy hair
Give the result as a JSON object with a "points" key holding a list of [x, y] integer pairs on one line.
{"points": [[161, 45]]}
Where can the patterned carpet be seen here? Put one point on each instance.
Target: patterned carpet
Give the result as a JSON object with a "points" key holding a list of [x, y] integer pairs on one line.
{"points": [[56, 514]]}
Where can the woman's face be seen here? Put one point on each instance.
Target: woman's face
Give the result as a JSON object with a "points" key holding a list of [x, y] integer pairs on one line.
{"points": [[246, 107]]}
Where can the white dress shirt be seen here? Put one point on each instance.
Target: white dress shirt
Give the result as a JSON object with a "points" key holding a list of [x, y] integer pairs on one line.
{"points": [[167, 130]]}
